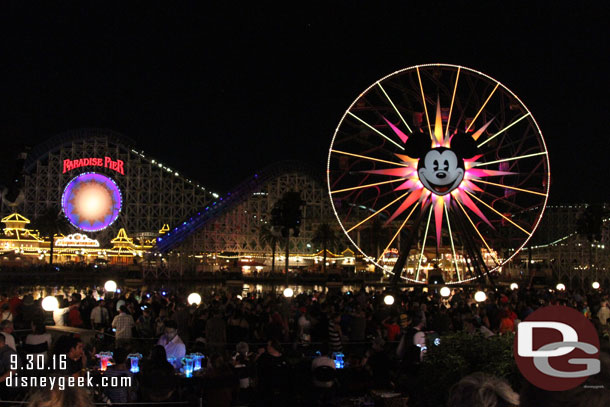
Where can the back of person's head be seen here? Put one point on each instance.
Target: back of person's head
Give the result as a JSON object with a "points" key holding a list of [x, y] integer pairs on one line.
{"points": [[242, 348], [275, 344], [119, 355], [64, 344], [158, 354], [68, 396], [5, 324], [123, 308], [482, 390]]}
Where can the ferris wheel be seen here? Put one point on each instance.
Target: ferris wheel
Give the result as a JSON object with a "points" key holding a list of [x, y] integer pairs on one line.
{"points": [[438, 170]]}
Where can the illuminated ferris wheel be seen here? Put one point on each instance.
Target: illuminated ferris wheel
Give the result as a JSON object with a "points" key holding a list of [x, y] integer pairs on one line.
{"points": [[438, 170]]}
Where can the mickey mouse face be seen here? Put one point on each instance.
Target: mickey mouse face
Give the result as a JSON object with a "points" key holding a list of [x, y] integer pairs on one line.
{"points": [[440, 170]]}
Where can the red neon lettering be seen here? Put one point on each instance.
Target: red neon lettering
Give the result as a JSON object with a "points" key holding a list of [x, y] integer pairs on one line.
{"points": [[67, 166], [120, 167], [86, 161], [107, 162]]}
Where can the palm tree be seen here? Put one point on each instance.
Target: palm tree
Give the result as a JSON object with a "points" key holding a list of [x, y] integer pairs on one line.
{"points": [[286, 217], [269, 235], [326, 236], [50, 223]]}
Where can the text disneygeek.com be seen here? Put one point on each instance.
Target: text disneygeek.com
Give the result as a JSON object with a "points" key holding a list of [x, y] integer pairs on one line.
{"points": [[61, 382]]}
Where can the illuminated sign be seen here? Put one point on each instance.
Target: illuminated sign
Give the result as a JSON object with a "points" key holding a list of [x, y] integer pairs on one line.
{"points": [[77, 240], [105, 162], [91, 201]]}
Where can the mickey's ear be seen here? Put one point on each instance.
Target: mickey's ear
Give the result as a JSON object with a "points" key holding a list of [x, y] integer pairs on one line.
{"points": [[464, 145], [417, 145]]}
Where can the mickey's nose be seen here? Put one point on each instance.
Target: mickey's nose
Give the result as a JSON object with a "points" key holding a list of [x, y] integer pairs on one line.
{"points": [[441, 175]]}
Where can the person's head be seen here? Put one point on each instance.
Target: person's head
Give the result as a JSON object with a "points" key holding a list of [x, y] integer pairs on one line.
{"points": [[158, 354], [101, 302], [171, 329], [119, 356], [6, 326], [5, 307], [68, 396], [123, 309], [482, 390], [38, 327], [77, 349], [242, 348]]}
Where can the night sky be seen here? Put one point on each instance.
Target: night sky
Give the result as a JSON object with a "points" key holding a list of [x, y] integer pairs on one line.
{"points": [[220, 91]]}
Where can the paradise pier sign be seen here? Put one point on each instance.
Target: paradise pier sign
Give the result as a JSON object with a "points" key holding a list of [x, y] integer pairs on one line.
{"points": [[105, 162]]}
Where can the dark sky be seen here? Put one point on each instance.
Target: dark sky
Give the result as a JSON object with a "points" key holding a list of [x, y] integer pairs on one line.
{"points": [[222, 90]]}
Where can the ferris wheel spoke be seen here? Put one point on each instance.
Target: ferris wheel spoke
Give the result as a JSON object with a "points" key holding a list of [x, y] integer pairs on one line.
{"points": [[457, 270], [478, 233], [394, 106], [501, 215], [375, 130], [397, 232], [378, 212], [423, 99], [504, 129], [423, 245], [452, 100], [367, 185], [483, 106], [509, 159], [370, 158], [509, 187]]}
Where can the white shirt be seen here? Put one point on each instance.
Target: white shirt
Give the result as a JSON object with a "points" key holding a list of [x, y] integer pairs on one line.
{"points": [[603, 314], [174, 348], [97, 313], [58, 316]]}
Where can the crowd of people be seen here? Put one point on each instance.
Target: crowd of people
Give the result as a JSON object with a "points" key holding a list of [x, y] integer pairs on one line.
{"points": [[266, 349]]}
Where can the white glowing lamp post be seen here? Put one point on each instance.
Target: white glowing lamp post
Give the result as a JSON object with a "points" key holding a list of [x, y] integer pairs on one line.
{"points": [[50, 303], [288, 292], [445, 292], [388, 299], [480, 296], [595, 285], [514, 286], [194, 298], [560, 287], [110, 286]]}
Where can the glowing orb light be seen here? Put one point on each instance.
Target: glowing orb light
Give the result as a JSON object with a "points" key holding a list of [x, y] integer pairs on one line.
{"points": [[514, 286], [194, 298], [288, 292], [595, 285], [388, 299], [50, 303], [91, 201], [445, 292], [480, 296], [110, 286], [560, 287]]}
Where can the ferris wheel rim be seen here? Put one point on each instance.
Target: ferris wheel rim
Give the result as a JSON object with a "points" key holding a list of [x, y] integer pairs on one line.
{"points": [[531, 119]]}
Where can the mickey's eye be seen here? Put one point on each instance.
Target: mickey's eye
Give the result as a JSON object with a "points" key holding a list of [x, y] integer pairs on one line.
{"points": [[446, 165], [435, 165]]}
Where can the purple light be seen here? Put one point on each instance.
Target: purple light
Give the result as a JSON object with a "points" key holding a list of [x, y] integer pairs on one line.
{"points": [[91, 201]]}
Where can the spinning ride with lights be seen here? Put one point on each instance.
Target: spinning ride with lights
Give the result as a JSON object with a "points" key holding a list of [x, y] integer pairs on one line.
{"points": [[444, 164]]}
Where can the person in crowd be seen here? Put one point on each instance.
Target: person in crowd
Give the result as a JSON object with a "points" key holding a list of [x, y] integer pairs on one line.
{"points": [[59, 315], [222, 384], [120, 394], [335, 334], [74, 317], [604, 313], [144, 324], [6, 314], [157, 379], [39, 340], [377, 363], [72, 350], [171, 342], [216, 333], [55, 397], [273, 375], [482, 390], [123, 325], [99, 317], [320, 365], [8, 356], [6, 329]]}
